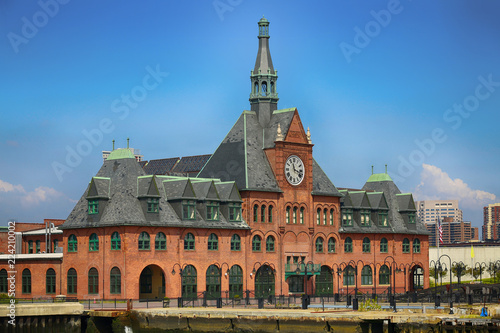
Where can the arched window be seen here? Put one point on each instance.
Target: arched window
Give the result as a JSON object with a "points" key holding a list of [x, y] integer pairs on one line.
{"points": [[348, 245], [3, 282], [272, 87], [236, 282], [325, 216], [72, 243], [50, 281], [115, 281], [406, 245], [94, 242], [116, 242], [213, 282], [189, 242], [270, 244], [318, 216], [235, 243], [416, 245], [256, 243], [331, 245], [144, 241], [319, 245], [288, 214], [146, 281], [301, 215], [263, 213], [189, 282], [264, 88], [26, 281], [383, 275], [349, 276], [93, 281], [72, 281], [294, 215], [213, 242], [255, 213], [331, 216], [160, 241], [366, 276], [270, 214], [324, 281], [384, 245], [256, 87], [366, 245]]}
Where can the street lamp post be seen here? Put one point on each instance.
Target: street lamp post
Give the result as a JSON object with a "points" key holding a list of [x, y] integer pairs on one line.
{"points": [[392, 295], [451, 283], [179, 300], [305, 300]]}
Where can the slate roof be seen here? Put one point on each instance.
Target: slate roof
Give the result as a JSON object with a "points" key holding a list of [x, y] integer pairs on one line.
{"points": [[161, 166], [190, 164], [121, 184], [241, 156]]}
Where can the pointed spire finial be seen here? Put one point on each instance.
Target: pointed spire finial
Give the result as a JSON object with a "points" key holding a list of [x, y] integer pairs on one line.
{"points": [[279, 135], [113, 144], [309, 136], [372, 169], [128, 139], [386, 169]]}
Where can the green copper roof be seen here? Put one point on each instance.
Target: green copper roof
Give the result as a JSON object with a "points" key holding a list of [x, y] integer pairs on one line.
{"points": [[379, 177], [120, 153]]}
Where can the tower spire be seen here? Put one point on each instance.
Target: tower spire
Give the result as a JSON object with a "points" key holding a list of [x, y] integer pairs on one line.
{"points": [[263, 97]]}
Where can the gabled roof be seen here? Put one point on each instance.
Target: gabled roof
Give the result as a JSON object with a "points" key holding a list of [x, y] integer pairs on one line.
{"points": [[406, 202], [178, 189], [146, 186], [99, 188], [206, 190], [228, 191], [377, 200]]}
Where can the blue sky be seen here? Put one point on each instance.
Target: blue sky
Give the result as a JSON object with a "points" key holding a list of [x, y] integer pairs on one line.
{"points": [[414, 85]]}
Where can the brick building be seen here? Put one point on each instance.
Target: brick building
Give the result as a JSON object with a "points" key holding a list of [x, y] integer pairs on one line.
{"points": [[261, 216]]}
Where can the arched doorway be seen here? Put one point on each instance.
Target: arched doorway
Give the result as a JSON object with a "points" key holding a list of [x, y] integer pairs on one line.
{"points": [[417, 278], [189, 282], [213, 282], [264, 281], [152, 283], [236, 282], [324, 282]]}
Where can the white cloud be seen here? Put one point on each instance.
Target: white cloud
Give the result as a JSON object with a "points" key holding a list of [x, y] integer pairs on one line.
{"points": [[7, 187], [435, 184], [41, 194]]}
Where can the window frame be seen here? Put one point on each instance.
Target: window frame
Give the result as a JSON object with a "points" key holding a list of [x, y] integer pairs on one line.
{"points": [[406, 245], [256, 243], [347, 217], [50, 281], [189, 242], [235, 242], [384, 246], [72, 243], [270, 241], [93, 207], [116, 241], [213, 242], [160, 241], [93, 242], [366, 245], [188, 210], [144, 241], [115, 281], [348, 245], [332, 243], [213, 212], [318, 245], [234, 212], [153, 205]]}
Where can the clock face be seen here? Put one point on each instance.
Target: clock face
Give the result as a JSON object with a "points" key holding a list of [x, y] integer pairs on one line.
{"points": [[294, 170]]}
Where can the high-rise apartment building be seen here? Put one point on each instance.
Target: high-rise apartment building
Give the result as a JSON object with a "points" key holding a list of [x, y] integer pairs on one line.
{"points": [[491, 226], [429, 210], [453, 231]]}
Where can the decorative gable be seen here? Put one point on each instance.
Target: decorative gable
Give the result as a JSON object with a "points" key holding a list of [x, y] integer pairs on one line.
{"points": [[99, 188], [296, 131]]}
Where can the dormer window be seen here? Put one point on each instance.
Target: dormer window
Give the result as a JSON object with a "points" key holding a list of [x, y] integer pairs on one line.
{"points": [[153, 205], [365, 218], [93, 207], [382, 219], [188, 210], [411, 218], [347, 218], [235, 212], [212, 211]]}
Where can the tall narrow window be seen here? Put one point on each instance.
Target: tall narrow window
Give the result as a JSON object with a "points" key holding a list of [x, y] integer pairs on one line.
{"points": [[366, 245], [93, 207], [188, 210], [365, 218], [270, 214], [212, 211], [72, 281], [331, 216], [4, 285], [153, 205], [319, 245], [72, 243], [144, 241], [50, 281], [234, 212], [416, 245], [384, 275], [213, 242], [366, 276], [235, 243], [189, 242], [384, 246], [255, 213], [116, 242], [406, 245], [348, 245], [318, 216], [331, 245], [256, 243], [325, 216], [270, 244], [93, 281], [26, 281], [288, 214], [115, 281], [93, 242], [411, 218], [30, 246], [382, 218], [301, 215], [263, 213], [160, 241], [294, 215], [37, 246]]}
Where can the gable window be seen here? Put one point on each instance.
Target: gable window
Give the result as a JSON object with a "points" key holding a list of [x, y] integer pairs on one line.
{"points": [[301, 215], [144, 241], [235, 243], [153, 204], [116, 242], [366, 245], [255, 213], [188, 210], [347, 218], [416, 245], [189, 242], [319, 245], [234, 212], [270, 244], [93, 242], [50, 281], [406, 245], [348, 245], [93, 207], [318, 216], [384, 246], [365, 218], [213, 242], [270, 214], [72, 243], [331, 245], [382, 219], [411, 218], [160, 241], [256, 243], [212, 211], [288, 215]]}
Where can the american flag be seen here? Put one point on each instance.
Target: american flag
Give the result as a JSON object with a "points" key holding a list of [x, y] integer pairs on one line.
{"points": [[440, 228]]}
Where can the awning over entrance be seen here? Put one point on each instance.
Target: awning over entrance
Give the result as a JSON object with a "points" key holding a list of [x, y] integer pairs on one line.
{"points": [[300, 269]]}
